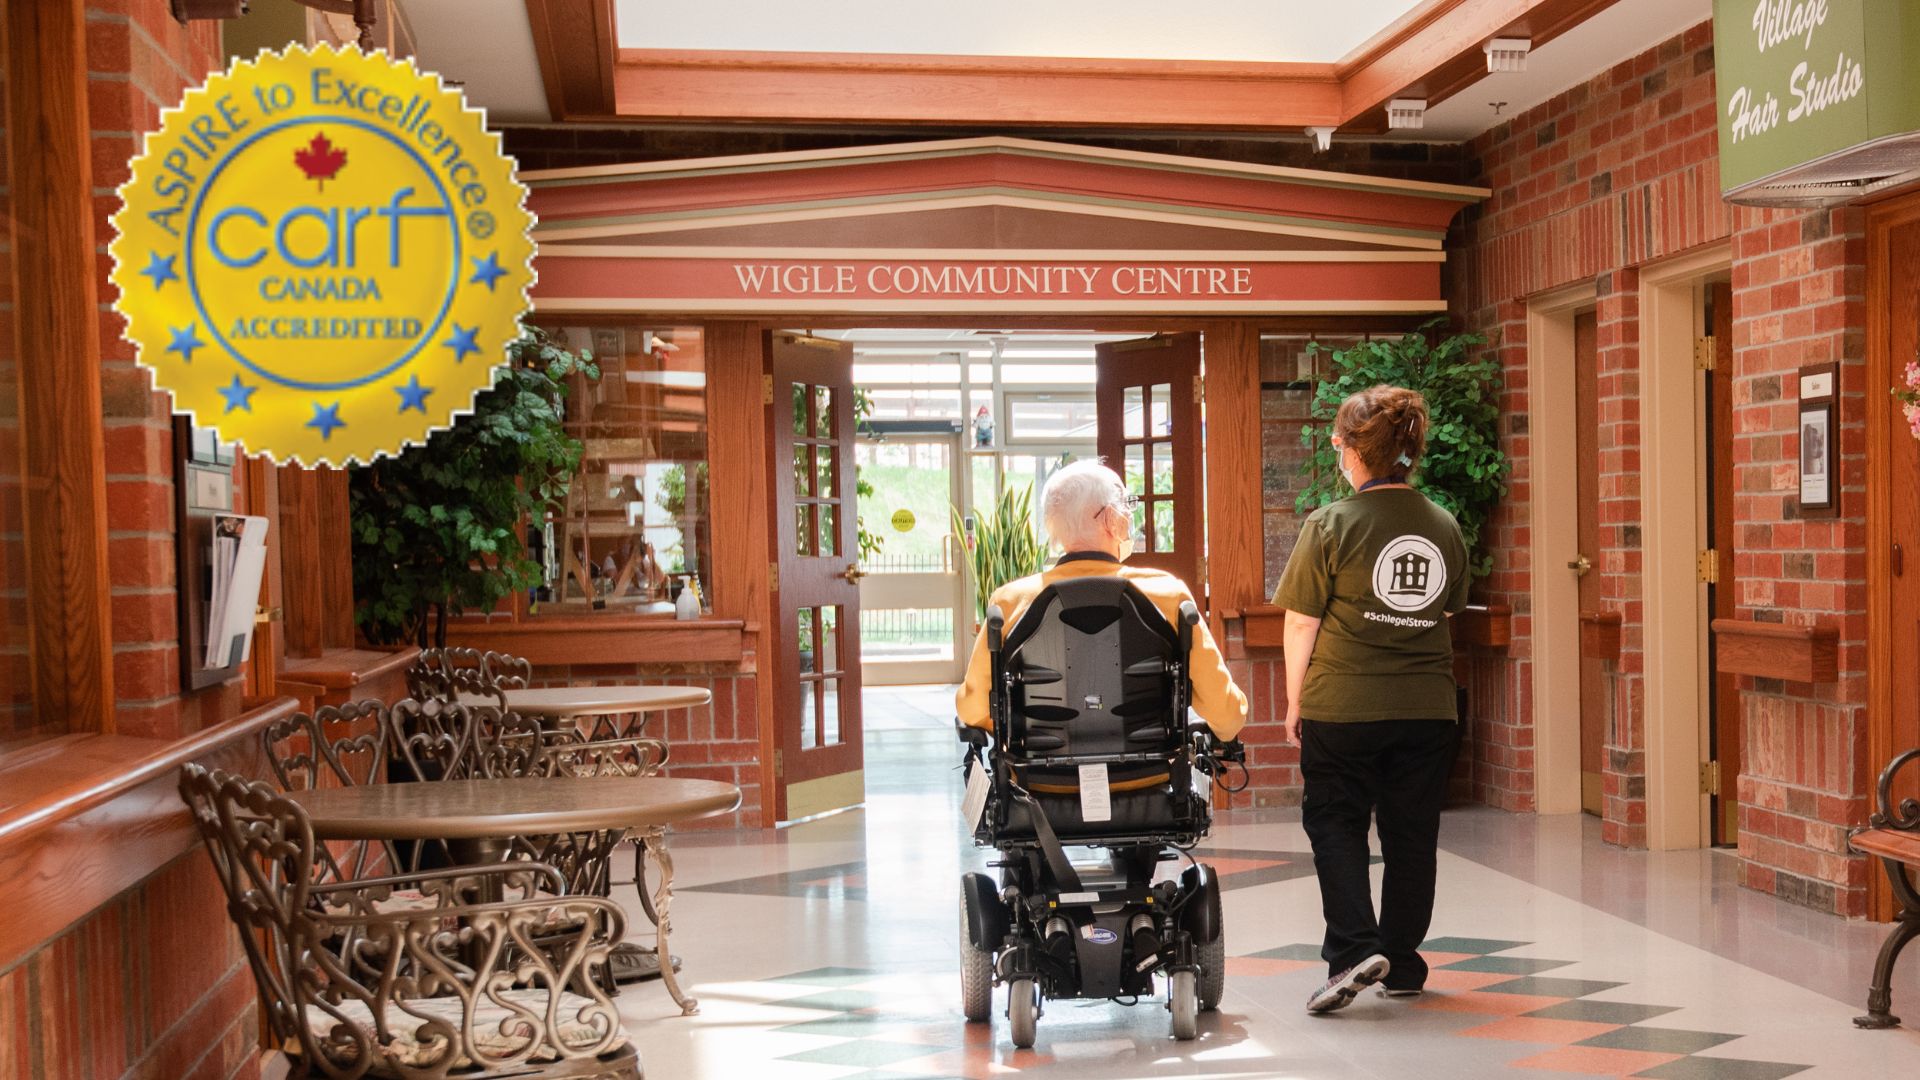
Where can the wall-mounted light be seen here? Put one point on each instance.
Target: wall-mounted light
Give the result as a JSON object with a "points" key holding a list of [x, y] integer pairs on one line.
{"points": [[1508, 54], [1406, 113], [1322, 138]]}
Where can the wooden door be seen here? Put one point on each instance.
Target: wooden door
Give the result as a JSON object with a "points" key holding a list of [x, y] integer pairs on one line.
{"points": [[1893, 297], [1147, 395], [1723, 691], [818, 763], [1593, 671]]}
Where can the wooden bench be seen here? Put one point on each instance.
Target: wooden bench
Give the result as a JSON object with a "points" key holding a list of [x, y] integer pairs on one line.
{"points": [[1893, 836]]}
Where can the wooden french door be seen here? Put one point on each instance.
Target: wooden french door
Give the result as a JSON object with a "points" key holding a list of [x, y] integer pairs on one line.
{"points": [[1723, 690], [1147, 396], [1893, 499], [1593, 670], [818, 763]]}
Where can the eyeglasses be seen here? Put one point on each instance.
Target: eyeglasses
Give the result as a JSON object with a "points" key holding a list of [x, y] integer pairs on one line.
{"points": [[1128, 503]]}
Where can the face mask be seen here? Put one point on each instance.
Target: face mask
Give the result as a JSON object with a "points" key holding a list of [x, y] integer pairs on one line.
{"points": [[1126, 546], [1346, 473]]}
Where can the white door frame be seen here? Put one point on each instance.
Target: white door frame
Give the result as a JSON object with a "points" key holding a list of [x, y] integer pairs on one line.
{"points": [[1674, 602], [1554, 523]]}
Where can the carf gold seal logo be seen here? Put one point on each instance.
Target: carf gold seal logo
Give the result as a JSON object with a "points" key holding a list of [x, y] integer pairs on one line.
{"points": [[322, 254]]}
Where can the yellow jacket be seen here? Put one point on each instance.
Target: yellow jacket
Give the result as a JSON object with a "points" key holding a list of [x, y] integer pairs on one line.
{"points": [[1218, 701]]}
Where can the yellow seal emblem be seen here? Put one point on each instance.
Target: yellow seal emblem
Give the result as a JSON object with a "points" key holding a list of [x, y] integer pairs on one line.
{"points": [[322, 254]]}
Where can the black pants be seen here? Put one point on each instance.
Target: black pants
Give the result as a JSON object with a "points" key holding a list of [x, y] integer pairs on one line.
{"points": [[1397, 770]]}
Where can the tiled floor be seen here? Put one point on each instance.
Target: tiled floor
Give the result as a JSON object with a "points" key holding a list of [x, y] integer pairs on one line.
{"points": [[828, 950]]}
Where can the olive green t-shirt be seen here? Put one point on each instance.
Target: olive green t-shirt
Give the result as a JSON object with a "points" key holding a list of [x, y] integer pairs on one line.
{"points": [[1382, 569]]}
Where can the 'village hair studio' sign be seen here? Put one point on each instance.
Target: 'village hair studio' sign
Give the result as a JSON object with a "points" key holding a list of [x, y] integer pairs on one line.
{"points": [[1803, 84]]}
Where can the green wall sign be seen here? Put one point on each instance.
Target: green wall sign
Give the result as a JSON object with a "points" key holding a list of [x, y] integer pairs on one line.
{"points": [[1801, 79]]}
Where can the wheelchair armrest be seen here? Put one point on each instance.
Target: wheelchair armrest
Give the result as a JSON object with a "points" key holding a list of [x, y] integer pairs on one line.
{"points": [[977, 738]]}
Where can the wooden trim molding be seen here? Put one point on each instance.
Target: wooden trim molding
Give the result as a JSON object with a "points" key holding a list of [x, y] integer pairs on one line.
{"points": [[575, 42], [1795, 653], [91, 816], [610, 639], [1600, 634], [56, 315]]}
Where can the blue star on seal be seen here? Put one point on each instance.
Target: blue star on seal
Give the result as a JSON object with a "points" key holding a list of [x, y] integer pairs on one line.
{"points": [[326, 418], [185, 340], [462, 342], [487, 271], [413, 395], [160, 269], [238, 394]]}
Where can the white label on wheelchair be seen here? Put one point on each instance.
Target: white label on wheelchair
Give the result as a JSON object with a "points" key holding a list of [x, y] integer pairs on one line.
{"points": [[975, 801], [1096, 801]]}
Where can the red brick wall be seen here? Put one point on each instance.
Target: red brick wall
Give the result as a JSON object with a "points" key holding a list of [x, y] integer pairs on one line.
{"points": [[720, 741], [154, 984], [1610, 176]]}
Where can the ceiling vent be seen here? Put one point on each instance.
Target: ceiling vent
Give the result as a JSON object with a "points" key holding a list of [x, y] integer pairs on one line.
{"points": [[1841, 177], [1406, 114], [1507, 54]]}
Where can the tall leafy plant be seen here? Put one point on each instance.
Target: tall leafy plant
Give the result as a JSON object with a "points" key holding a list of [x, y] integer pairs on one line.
{"points": [[1005, 545], [441, 528], [1464, 468]]}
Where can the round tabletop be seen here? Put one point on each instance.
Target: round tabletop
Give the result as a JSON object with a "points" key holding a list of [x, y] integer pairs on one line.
{"points": [[525, 806], [569, 701]]}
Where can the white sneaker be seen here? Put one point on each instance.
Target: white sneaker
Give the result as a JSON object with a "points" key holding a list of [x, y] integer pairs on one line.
{"points": [[1340, 990]]}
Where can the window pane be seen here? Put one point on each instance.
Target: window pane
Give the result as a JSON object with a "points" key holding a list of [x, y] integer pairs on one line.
{"points": [[934, 403], [1163, 538], [805, 626], [799, 408], [830, 638], [830, 712], [1136, 471], [1133, 407], [1163, 469], [1162, 410], [823, 419], [803, 529], [905, 634], [639, 503], [823, 459], [829, 530], [802, 470], [916, 477], [1052, 416], [809, 716]]}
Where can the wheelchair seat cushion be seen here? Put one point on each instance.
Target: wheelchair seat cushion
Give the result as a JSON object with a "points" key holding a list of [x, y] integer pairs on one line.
{"points": [[1135, 813]]}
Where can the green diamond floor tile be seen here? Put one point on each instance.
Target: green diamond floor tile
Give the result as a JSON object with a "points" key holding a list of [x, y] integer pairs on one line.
{"points": [[1602, 1012], [1289, 952], [1707, 1068], [827, 976], [833, 1000], [1507, 965], [866, 1053], [1548, 986], [1470, 945], [1658, 1040]]}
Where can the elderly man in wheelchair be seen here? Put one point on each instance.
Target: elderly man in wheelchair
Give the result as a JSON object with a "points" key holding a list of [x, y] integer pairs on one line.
{"points": [[1075, 713]]}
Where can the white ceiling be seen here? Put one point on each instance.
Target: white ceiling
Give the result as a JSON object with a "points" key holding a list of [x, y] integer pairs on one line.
{"points": [[1621, 32], [488, 47], [1246, 30]]}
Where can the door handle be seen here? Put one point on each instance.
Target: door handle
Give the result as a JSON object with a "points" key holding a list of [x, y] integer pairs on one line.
{"points": [[1580, 566], [1899, 561], [853, 573]]}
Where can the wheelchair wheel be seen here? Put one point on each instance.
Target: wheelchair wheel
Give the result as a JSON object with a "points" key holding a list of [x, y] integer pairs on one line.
{"points": [[976, 975], [1023, 1011], [1213, 973], [1183, 996]]}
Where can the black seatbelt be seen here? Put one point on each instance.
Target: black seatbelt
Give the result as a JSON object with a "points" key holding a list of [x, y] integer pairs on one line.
{"points": [[1063, 872]]}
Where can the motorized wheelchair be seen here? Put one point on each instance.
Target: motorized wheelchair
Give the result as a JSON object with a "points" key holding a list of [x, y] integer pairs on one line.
{"points": [[1089, 696]]}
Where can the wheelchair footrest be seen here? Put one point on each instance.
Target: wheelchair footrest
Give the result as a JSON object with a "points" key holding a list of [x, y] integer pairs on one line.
{"points": [[1141, 895]]}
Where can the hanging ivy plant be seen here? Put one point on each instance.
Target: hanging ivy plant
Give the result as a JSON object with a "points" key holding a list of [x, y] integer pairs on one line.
{"points": [[1464, 469]]}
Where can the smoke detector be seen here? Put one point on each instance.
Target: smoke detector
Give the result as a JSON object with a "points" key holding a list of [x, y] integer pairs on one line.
{"points": [[1507, 54], [1406, 113]]}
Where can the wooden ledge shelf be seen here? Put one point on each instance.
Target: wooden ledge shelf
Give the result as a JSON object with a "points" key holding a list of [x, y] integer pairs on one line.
{"points": [[1600, 634], [607, 639], [86, 817], [345, 669], [1794, 653], [1487, 626]]}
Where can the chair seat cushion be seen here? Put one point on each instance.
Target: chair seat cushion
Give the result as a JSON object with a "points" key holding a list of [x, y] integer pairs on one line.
{"points": [[1134, 813], [497, 1029], [400, 901]]}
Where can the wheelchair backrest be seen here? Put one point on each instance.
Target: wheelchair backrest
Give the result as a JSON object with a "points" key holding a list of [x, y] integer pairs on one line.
{"points": [[1095, 669]]}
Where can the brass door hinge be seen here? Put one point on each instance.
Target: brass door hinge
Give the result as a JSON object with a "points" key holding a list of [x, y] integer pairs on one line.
{"points": [[1703, 353], [766, 389], [779, 764], [773, 577], [1708, 567], [1710, 778]]}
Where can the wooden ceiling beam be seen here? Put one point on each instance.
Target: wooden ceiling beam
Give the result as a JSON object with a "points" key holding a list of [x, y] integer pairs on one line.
{"points": [[576, 44]]}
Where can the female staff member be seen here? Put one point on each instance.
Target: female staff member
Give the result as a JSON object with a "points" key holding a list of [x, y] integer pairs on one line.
{"points": [[1370, 692]]}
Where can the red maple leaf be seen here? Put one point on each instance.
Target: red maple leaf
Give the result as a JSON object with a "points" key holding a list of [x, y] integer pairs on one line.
{"points": [[320, 159]]}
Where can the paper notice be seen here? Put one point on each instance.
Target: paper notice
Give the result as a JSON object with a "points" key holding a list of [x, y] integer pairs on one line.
{"points": [[1096, 802], [975, 801]]}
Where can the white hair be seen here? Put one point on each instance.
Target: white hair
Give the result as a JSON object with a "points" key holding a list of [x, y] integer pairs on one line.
{"points": [[1071, 504]]}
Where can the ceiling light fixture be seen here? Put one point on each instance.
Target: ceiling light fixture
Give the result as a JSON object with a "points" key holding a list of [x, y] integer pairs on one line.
{"points": [[1322, 138], [1406, 113], [1508, 54]]}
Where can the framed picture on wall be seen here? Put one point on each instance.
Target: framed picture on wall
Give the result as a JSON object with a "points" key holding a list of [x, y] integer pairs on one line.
{"points": [[1819, 480]]}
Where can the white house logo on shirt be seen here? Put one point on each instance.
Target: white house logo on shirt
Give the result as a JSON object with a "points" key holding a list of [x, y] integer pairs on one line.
{"points": [[1409, 574]]}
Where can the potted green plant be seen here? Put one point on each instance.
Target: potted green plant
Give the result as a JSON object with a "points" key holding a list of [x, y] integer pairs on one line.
{"points": [[1004, 546], [1464, 468], [441, 528]]}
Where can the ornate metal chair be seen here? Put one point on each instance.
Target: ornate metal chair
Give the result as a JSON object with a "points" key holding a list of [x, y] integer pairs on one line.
{"points": [[458, 989], [334, 746]]}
